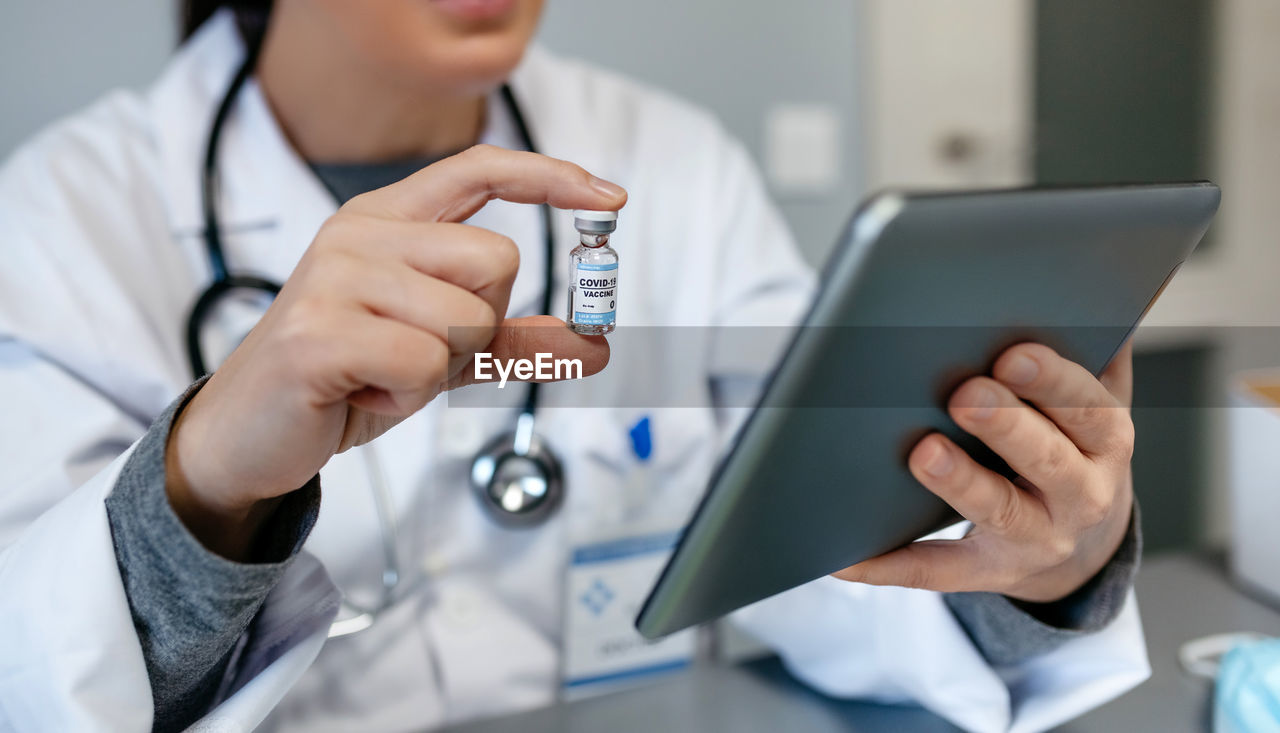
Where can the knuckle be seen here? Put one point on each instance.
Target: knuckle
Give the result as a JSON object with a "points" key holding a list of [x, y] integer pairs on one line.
{"points": [[960, 488], [464, 340], [303, 337], [1007, 514], [359, 202], [480, 151], [482, 315], [505, 256], [335, 272], [417, 400], [959, 485], [1111, 420], [917, 575], [1093, 506], [422, 362], [330, 247], [1052, 464], [1060, 548], [304, 322], [1125, 437], [338, 230], [435, 361], [1006, 423], [1009, 576], [1090, 416]]}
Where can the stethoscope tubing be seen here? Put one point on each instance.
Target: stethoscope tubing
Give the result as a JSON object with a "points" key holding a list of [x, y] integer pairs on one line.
{"points": [[225, 282]]}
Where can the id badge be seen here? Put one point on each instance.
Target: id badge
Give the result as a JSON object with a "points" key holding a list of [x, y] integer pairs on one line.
{"points": [[606, 585]]}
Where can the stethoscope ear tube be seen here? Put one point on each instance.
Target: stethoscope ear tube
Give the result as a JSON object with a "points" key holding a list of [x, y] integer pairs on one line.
{"points": [[223, 282], [516, 477], [217, 291]]}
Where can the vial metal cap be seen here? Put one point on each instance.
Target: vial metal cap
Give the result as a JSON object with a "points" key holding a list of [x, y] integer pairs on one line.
{"points": [[595, 222]]}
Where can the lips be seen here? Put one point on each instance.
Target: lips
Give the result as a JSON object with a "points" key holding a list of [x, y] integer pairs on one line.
{"points": [[475, 10]]}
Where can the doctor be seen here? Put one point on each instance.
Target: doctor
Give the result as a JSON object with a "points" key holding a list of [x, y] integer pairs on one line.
{"points": [[165, 556]]}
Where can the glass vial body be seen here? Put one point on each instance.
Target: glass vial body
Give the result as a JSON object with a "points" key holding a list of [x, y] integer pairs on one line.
{"points": [[593, 286], [593, 274]]}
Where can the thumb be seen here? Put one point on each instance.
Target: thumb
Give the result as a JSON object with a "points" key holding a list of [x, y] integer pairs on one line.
{"points": [[526, 338]]}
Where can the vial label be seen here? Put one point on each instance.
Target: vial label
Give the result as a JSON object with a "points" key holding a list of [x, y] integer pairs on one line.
{"points": [[595, 296]]}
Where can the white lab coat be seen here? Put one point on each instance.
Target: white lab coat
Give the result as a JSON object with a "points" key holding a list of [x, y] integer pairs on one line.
{"points": [[99, 229]]}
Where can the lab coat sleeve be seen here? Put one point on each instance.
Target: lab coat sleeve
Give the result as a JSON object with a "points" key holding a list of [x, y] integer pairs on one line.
{"points": [[81, 377], [192, 608], [72, 658], [882, 643], [1007, 632], [899, 645]]}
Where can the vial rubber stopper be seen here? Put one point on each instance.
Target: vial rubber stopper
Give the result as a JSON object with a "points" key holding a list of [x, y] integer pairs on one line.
{"points": [[595, 222]]}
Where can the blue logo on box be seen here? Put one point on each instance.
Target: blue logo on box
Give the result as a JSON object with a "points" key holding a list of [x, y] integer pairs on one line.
{"points": [[597, 597]]}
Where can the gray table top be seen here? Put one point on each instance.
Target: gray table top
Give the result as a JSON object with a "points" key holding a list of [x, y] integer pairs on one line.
{"points": [[1181, 596]]}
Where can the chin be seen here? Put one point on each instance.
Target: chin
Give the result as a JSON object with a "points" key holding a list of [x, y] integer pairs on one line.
{"points": [[440, 45], [469, 45], [472, 65]]}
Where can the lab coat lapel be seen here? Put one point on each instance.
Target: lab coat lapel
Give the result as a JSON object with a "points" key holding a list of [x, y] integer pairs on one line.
{"points": [[270, 205], [559, 130]]}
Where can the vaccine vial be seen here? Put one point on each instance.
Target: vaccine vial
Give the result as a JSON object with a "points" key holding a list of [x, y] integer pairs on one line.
{"points": [[593, 274]]}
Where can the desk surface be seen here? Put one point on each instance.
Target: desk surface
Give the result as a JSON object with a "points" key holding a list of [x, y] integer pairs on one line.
{"points": [[1182, 597]]}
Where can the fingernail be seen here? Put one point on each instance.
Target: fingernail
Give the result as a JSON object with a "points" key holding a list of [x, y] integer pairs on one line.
{"points": [[984, 403], [937, 460], [612, 190], [1021, 370]]}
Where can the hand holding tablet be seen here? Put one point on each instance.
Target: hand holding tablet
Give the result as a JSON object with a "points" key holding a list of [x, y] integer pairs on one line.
{"points": [[911, 359]]}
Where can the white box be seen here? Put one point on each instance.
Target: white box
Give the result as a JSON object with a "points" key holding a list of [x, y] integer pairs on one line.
{"points": [[1254, 428]]}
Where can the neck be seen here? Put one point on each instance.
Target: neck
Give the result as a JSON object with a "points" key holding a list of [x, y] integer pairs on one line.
{"points": [[335, 109]]}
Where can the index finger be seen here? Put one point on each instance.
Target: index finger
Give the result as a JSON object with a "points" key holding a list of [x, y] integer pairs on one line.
{"points": [[455, 188]]}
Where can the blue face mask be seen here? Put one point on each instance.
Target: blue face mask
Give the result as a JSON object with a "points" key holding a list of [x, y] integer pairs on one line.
{"points": [[1247, 696]]}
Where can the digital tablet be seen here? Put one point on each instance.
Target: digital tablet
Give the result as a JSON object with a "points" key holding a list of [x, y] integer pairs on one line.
{"points": [[922, 292]]}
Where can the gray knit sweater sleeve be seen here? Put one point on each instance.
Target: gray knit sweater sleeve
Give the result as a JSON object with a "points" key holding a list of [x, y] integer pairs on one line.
{"points": [[190, 607], [1007, 632]]}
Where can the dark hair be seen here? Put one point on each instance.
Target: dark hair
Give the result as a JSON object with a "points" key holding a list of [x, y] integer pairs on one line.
{"points": [[251, 16]]}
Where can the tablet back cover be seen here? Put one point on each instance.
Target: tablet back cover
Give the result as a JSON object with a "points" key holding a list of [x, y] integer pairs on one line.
{"points": [[923, 292]]}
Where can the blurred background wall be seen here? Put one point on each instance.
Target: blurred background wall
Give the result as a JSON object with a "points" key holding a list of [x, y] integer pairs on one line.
{"points": [[58, 55], [1001, 92], [839, 97], [796, 103]]}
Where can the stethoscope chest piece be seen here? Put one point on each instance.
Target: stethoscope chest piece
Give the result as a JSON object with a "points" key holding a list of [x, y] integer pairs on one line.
{"points": [[517, 478]]}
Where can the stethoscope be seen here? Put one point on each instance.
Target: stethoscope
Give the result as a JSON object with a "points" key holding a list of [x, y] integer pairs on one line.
{"points": [[516, 477]]}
